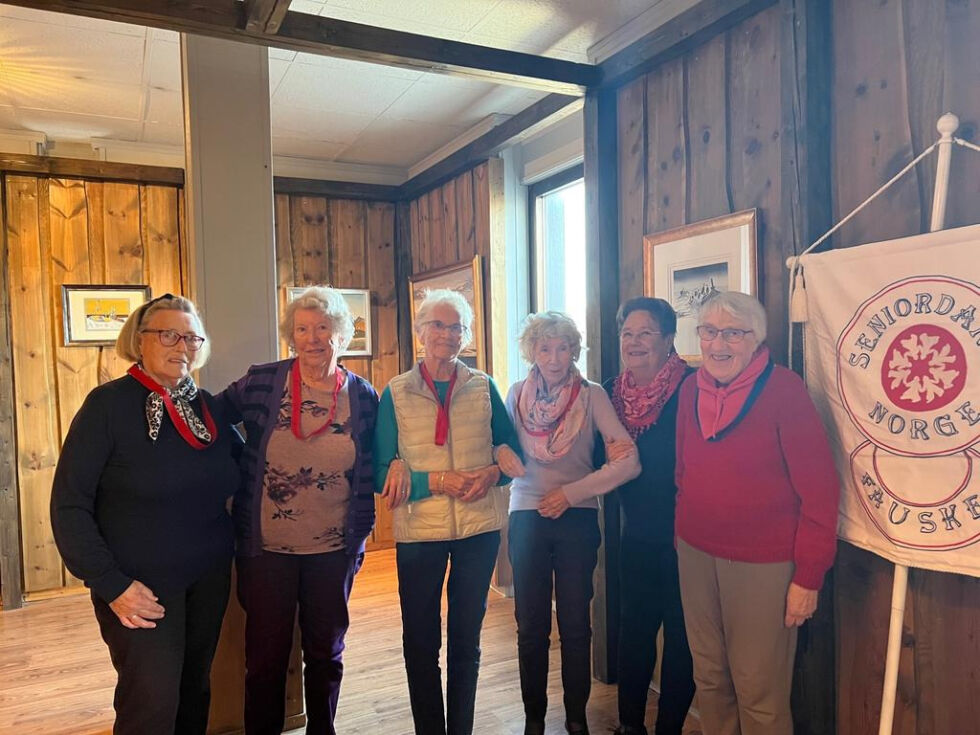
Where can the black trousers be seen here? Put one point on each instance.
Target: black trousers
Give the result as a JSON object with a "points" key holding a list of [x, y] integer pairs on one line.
{"points": [[563, 550], [651, 597], [421, 575], [164, 685], [270, 586]]}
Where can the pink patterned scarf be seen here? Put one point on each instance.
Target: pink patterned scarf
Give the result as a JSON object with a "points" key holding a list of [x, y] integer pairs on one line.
{"points": [[720, 405], [639, 406], [552, 420]]}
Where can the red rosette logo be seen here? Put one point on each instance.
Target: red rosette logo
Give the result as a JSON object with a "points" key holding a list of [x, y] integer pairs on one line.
{"points": [[924, 368]]}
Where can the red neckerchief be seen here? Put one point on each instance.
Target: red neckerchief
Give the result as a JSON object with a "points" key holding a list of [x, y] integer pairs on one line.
{"points": [[296, 390], [182, 428], [442, 418]]}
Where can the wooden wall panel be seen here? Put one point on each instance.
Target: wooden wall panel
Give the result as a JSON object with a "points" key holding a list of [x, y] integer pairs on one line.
{"points": [[707, 122], [666, 163], [69, 231], [632, 136]]}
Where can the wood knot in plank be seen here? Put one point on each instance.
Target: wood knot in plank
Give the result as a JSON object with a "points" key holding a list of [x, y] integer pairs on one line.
{"points": [[861, 90], [753, 146]]}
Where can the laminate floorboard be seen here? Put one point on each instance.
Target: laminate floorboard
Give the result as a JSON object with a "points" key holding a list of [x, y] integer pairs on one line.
{"points": [[56, 679]]}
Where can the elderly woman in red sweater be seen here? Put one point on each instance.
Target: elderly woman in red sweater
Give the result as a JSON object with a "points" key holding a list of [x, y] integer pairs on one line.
{"points": [[756, 519]]}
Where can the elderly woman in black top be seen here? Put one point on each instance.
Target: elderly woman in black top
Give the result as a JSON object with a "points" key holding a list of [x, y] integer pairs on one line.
{"points": [[139, 514], [645, 398]]}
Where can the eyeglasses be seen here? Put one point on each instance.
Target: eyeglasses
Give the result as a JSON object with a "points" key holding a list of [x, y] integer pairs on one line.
{"points": [[645, 334], [730, 335], [454, 329], [170, 337]]}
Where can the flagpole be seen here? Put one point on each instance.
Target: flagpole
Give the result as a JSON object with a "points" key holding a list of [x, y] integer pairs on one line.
{"points": [[946, 126]]}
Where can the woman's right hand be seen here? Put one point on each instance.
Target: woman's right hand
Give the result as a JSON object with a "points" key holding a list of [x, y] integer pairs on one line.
{"points": [[137, 607], [451, 483], [398, 483]]}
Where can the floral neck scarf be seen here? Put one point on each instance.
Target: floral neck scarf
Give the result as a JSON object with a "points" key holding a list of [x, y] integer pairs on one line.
{"points": [[639, 406], [552, 420]]}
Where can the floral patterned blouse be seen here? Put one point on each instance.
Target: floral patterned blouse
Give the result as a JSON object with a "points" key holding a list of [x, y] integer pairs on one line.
{"points": [[306, 491]]}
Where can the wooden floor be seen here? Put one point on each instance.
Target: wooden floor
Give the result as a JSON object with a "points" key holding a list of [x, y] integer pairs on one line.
{"points": [[55, 676]]}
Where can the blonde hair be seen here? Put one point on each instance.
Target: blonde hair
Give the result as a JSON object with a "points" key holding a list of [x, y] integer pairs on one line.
{"points": [[329, 302], [549, 325], [445, 297], [128, 341]]}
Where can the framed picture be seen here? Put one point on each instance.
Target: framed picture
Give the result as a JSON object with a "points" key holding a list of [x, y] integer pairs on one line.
{"points": [[94, 315], [685, 265], [359, 302], [467, 278]]}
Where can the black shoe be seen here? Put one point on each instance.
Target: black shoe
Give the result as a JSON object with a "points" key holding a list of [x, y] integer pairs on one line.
{"points": [[630, 730], [534, 727], [576, 728]]}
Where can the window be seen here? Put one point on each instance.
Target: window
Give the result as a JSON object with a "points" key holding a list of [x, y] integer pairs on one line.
{"points": [[558, 267]]}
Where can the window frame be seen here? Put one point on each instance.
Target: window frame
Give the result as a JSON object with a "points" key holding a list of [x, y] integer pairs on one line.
{"points": [[539, 188]]}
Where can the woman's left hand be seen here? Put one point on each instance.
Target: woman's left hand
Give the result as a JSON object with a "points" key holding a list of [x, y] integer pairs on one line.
{"points": [[554, 504], [801, 603], [483, 479]]}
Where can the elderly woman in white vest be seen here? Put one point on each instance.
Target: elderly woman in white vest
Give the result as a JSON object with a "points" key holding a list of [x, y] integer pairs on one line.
{"points": [[553, 535], [444, 445]]}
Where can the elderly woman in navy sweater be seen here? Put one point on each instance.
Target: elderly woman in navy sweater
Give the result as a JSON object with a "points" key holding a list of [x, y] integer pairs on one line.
{"points": [[756, 519], [139, 514], [305, 510], [554, 526]]}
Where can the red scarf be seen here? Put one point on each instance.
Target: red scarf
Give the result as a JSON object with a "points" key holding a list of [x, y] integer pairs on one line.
{"points": [[639, 407], [442, 417], [181, 414], [296, 389], [552, 421], [720, 405]]}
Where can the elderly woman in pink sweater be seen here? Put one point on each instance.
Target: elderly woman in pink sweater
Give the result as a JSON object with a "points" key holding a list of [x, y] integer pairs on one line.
{"points": [[553, 531]]}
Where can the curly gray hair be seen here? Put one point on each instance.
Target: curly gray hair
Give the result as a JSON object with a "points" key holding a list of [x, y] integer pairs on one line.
{"points": [[549, 325], [329, 302]]}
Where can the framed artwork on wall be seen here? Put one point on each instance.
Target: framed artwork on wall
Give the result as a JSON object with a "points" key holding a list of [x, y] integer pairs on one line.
{"points": [[359, 302], [465, 277], [685, 265], [94, 315]]}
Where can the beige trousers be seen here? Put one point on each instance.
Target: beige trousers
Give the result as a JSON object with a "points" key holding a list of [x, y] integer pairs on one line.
{"points": [[743, 654]]}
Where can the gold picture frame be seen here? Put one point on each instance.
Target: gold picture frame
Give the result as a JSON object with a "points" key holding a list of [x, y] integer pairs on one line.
{"points": [[466, 277], [684, 265]]}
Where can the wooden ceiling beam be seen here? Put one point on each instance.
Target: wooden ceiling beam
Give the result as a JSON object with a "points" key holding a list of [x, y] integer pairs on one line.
{"points": [[676, 37], [265, 15], [314, 34]]}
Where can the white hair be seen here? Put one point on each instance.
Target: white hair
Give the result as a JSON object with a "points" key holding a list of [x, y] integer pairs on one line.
{"points": [[740, 306], [329, 302], [445, 297], [549, 325]]}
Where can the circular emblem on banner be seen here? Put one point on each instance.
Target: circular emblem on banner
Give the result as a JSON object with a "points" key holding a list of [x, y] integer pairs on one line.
{"points": [[908, 366]]}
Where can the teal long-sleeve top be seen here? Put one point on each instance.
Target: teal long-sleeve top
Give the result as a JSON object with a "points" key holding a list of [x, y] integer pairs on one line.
{"points": [[386, 438]]}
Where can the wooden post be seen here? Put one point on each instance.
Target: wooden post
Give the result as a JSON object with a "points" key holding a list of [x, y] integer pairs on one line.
{"points": [[11, 586], [602, 252]]}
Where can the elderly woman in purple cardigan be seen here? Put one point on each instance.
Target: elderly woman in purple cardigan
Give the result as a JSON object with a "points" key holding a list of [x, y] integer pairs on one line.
{"points": [[305, 508]]}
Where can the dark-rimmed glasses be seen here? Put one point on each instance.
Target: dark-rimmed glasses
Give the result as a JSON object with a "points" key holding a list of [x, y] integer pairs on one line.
{"points": [[730, 335], [170, 337], [454, 329]]}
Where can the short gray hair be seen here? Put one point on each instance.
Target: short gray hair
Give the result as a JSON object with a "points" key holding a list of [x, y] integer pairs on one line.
{"points": [[549, 325], [445, 297], [128, 341], [329, 302], [738, 305]]}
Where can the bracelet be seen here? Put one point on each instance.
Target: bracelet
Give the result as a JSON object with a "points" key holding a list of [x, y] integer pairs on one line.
{"points": [[442, 482]]}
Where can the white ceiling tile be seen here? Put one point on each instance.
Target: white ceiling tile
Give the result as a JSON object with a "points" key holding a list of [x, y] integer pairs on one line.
{"points": [[282, 54], [161, 34], [411, 15], [72, 126], [398, 143], [71, 21], [306, 6], [305, 148], [277, 70], [165, 108], [163, 134], [357, 69], [164, 71], [336, 127], [324, 89], [439, 99]]}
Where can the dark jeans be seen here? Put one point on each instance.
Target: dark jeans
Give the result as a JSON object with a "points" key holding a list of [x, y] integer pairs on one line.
{"points": [[270, 586], [421, 574], [651, 597], [540, 550], [164, 685]]}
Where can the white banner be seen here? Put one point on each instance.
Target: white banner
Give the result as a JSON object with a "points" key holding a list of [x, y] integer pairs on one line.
{"points": [[893, 364]]}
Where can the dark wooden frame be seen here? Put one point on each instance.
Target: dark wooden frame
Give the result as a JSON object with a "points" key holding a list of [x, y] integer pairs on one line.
{"points": [[84, 169], [535, 190], [68, 288]]}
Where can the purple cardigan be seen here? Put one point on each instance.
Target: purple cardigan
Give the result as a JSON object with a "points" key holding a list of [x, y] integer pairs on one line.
{"points": [[254, 400]]}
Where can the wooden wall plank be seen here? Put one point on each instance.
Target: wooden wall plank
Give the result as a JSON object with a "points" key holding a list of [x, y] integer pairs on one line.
{"points": [[36, 417], [707, 126], [286, 272], [348, 245], [872, 140], [754, 157], [11, 560], [631, 119], [437, 230], [447, 197], [406, 228], [123, 255], [666, 148], [161, 239], [960, 95], [465, 228], [422, 248], [308, 235], [414, 243]]}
